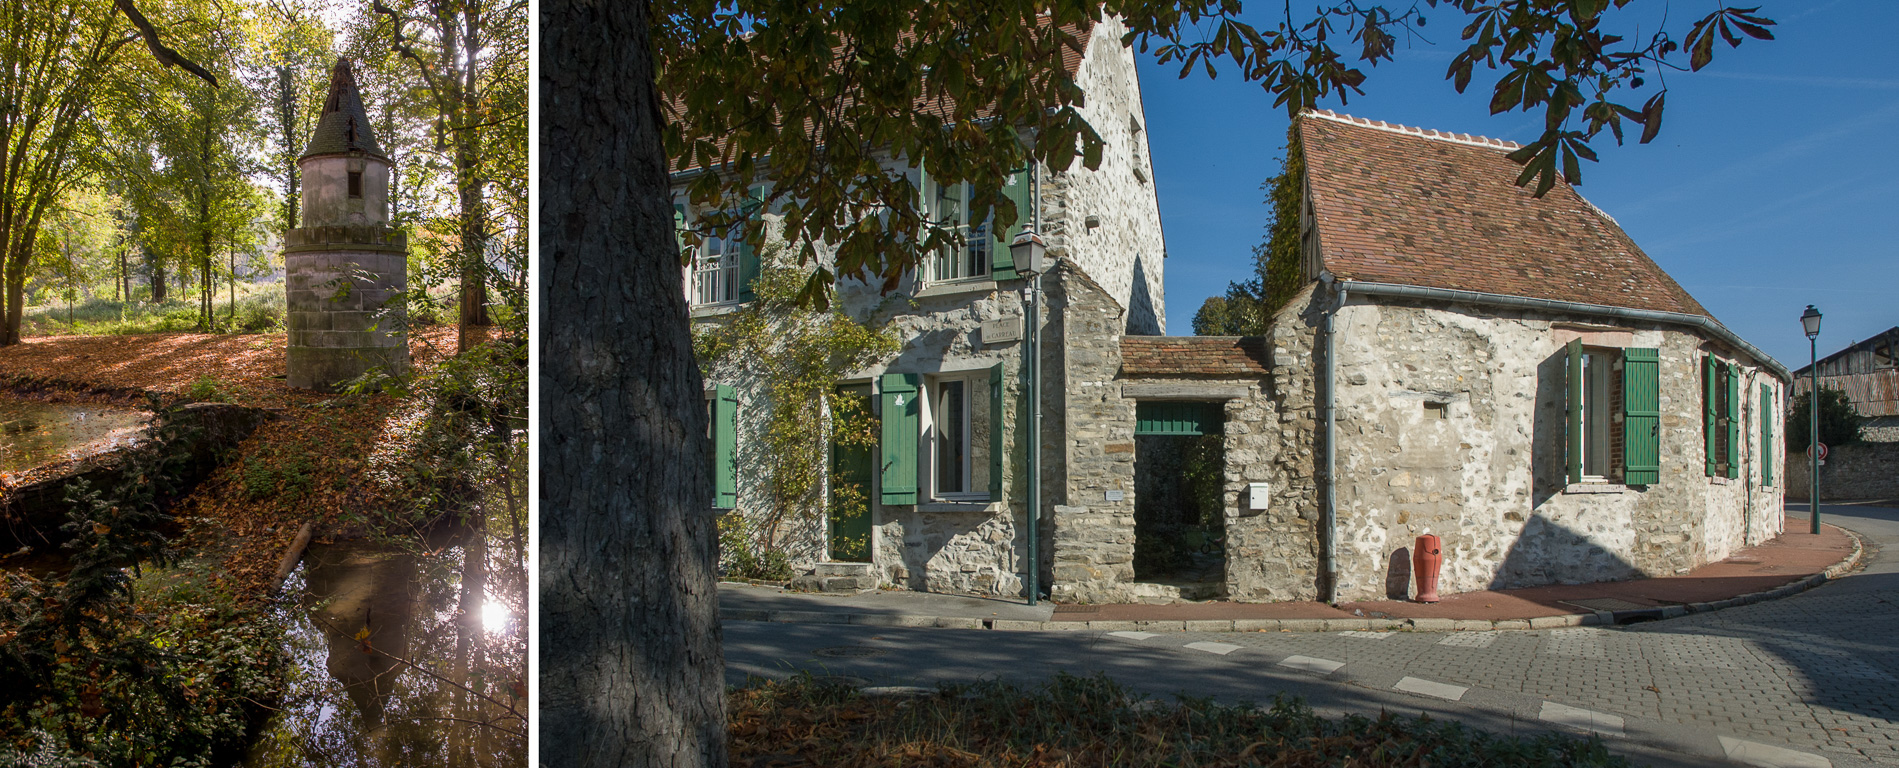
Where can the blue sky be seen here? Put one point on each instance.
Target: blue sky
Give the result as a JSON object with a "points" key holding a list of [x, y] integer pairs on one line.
{"points": [[1773, 184]]}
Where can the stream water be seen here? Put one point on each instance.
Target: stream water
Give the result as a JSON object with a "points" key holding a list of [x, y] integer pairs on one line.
{"points": [[387, 668], [34, 433]]}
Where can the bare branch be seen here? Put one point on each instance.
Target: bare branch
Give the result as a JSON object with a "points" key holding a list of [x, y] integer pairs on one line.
{"points": [[165, 55]]}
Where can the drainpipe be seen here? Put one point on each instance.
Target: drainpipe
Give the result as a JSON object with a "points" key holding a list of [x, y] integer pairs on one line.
{"points": [[1328, 508]]}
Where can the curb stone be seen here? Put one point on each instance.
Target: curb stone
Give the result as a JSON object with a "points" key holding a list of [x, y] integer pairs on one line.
{"points": [[1596, 618]]}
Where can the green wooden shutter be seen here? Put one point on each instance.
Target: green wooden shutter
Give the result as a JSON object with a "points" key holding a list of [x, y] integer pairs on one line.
{"points": [[1767, 435], [1018, 190], [997, 446], [1574, 434], [724, 448], [749, 263], [679, 229], [902, 422], [1734, 420], [1178, 418], [1710, 419], [1641, 417]]}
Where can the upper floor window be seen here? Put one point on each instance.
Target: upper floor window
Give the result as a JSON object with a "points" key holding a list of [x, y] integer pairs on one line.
{"points": [[950, 207], [715, 271], [355, 183]]}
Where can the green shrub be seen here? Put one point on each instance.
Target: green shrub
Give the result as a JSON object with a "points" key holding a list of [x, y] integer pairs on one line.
{"points": [[208, 389]]}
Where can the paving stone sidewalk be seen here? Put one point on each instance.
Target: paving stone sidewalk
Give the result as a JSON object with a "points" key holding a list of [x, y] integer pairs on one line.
{"points": [[1783, 566]]}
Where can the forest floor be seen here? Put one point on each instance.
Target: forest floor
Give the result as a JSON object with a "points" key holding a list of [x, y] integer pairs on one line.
{"points": [[327, 459]]}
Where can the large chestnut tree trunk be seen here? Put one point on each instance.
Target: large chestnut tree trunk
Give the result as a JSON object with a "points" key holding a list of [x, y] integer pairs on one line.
{"points": [[631, 670]]}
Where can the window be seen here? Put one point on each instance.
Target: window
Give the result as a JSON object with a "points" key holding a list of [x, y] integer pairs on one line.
{"points": [[1597, 441], [1613, 425], [951, 416], [1721, 416], [949, 205], [984, 253], [1767, 435], [355, 183], [959, 437], [956, 422], [715, 271]]}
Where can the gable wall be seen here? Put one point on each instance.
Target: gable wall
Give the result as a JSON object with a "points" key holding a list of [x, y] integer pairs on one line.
{"points": [[1129, 235]]}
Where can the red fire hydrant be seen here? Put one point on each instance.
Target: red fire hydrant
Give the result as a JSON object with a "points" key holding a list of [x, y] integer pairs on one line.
{"points": [[1426, 557]]}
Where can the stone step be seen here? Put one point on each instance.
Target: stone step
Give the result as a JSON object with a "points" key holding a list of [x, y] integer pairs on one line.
{"points": [[844, 569], [834, 584]]}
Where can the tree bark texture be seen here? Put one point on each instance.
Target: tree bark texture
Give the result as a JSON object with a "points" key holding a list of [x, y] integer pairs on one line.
{"points": [[631, 668]]}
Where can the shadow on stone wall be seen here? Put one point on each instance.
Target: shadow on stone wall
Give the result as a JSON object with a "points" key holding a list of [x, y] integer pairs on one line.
{"points": [[1546, 552], [1141, 318], [1398, 575], [1546, 431]]}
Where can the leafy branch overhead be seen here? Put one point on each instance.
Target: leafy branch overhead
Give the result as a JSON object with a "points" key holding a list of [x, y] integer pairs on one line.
{"points": [[835, 103]]}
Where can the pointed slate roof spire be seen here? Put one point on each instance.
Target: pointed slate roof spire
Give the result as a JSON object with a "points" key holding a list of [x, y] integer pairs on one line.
{"points": [[344, 125]]}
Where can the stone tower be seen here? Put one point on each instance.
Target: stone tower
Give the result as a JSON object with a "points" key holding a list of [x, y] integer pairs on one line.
{"points": [[345, 263]]}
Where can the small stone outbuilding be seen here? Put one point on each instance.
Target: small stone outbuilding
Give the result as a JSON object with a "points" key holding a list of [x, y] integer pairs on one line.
{"points": [[1510, 373]]}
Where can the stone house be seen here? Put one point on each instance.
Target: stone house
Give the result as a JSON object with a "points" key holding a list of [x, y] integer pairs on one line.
{"points": [[1509, 373], [947, 486]]}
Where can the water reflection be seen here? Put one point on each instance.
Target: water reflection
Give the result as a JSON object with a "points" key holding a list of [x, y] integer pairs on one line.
{"points": [[388, 669], [34, 433]]}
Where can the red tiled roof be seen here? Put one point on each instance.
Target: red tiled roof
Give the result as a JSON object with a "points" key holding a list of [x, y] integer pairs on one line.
{"points": [[1419, 207], [1194, 356]]}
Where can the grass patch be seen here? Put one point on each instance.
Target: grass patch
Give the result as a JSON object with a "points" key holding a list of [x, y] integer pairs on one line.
{"points": [[1077, 722], [260, 309]]}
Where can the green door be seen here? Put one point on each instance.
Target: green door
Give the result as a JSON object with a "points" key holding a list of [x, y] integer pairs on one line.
{"points": [[850, 480]]}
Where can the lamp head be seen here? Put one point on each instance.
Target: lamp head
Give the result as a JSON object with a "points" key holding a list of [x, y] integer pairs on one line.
{"points": [[1028, 249], [1810, 320]]}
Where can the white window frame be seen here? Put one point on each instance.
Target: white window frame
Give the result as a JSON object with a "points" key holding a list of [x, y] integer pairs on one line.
{"points": [[962, 258], [973, 386], [714, 259], [1602, 414]]}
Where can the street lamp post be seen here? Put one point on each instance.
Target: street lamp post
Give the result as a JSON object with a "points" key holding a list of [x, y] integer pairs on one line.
{"points": [[1810, 320], [1028, 250]]}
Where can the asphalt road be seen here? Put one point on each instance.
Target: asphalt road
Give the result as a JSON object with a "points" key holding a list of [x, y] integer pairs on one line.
{"points": [[1812, 679]]}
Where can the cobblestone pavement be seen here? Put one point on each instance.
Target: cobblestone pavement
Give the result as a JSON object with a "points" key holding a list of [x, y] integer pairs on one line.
{"points": [[1817, 672]]}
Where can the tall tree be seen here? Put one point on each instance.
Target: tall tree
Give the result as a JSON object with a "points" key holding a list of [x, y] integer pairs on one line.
{"points": [[457, 48], [631, 669], [189, 152], [53, 58], [294, 46]]}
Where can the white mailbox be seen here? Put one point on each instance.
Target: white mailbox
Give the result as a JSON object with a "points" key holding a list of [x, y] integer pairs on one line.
{"points": [[1258, 495]]}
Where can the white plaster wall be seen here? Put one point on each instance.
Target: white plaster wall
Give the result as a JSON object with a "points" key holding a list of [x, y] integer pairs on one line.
{"points": [[1488, 477], [326, 201]]}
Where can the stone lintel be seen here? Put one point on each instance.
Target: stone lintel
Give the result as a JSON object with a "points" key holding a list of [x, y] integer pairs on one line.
{"points": [[1185, 390]]}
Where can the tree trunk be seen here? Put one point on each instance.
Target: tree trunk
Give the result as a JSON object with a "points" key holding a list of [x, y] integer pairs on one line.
{"points": [[474, 213], [158, 279], [631, 668]]}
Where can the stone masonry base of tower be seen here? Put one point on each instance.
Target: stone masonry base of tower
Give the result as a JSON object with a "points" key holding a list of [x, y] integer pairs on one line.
{"points": [[338, 281]]}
